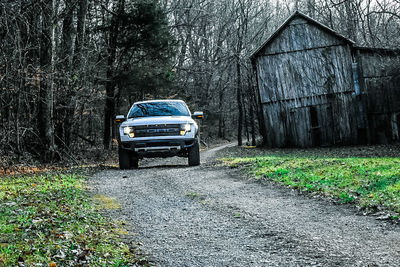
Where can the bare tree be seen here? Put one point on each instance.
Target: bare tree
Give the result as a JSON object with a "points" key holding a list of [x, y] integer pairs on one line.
{"points": [[66, 65]]}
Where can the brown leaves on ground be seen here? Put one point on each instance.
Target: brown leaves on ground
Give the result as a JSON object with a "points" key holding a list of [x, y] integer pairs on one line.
{"points": [[11, 165], [21, 169]]}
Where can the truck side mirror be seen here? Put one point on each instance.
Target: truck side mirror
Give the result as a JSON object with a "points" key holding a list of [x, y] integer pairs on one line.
{"points": [[119, 118], [198, 115]]}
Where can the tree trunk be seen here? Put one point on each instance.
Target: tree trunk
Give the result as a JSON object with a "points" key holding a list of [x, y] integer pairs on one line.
{"points": [[245, 116], [350, 20], [50, 89], [239, 101], [252, 103], [109, 106], [80, 33], [47, 62], [77, 72], [221, 131], [64, 117], [253, 128]]}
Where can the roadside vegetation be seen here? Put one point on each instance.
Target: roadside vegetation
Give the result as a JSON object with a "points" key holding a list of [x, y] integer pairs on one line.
{"points": [[366, 177], [51, 220]]}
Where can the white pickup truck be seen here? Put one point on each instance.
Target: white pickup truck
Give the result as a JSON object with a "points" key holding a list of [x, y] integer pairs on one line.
{"points": [[158, 128]]}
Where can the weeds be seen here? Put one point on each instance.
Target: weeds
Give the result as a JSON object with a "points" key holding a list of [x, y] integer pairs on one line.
{"points": [[191, 194], [49, 220], [371, 183]]}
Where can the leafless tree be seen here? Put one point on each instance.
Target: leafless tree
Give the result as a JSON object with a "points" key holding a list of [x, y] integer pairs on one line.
{"points": [[64, 70]]}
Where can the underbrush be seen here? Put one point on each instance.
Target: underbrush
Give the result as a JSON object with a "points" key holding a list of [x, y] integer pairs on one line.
{"points": [[27, 163], [49, 220], [372, 183]]}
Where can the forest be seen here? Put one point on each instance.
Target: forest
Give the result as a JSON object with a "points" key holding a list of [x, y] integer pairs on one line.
{"points": [[67, 67]]}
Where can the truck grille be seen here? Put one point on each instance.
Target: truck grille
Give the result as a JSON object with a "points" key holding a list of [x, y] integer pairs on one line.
{"points": [[157, 130]]}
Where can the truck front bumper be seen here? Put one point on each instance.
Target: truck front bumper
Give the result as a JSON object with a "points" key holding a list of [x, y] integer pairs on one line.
{"points": [[159, 148]]}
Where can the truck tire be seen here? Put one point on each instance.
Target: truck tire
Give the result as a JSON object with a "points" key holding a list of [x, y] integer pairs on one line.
{"points": [[124, 159], [135, 162], [194, 154]]}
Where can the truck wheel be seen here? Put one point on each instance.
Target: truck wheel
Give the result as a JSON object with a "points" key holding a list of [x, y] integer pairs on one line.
{"points": [[124, 159], [135, 162], [194, 155]]}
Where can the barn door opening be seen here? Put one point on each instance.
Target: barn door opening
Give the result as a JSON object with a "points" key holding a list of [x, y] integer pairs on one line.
{"points": [[315, 127], [299, 127]]}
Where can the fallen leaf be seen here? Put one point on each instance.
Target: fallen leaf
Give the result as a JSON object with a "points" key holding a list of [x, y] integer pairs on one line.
{"points": [[37, 220], [68, 235]]}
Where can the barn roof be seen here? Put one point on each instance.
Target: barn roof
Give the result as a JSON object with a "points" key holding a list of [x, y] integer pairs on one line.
{"points": [[307, 18]]}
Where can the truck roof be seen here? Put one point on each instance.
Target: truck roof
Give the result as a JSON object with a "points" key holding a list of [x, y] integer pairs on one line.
{"points": [[160, 100]]}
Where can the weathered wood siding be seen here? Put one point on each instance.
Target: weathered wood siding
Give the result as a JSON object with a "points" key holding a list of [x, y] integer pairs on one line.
{"points": [[289, 123], [306, 88], [305, 73], [300, 35], [381, 92]]}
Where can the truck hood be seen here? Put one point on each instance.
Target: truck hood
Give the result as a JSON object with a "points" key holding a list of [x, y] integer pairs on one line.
{"points": [[158, 120]]}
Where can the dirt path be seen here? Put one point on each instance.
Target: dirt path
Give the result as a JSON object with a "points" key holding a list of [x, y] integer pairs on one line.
{"points": [[212, 216]]}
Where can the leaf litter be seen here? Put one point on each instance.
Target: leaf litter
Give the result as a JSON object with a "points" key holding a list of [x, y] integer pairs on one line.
{"points": [[51, 220]]}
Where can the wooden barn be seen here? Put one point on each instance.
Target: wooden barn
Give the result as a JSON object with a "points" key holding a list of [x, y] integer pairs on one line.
{"points": [[317, 88]]}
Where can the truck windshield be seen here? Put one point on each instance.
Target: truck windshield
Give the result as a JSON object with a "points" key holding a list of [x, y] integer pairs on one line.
{"points": [[151, 109]]}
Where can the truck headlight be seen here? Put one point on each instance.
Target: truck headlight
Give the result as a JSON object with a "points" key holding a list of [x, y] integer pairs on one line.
{"points": [[129, 131], [185, 128]]}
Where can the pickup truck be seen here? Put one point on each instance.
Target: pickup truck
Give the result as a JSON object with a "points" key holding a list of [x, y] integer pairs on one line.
{"points": [[158, 128]]}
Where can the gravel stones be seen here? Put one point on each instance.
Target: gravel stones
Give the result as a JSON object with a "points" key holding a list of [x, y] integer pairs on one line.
{"points": [[213, 216]]}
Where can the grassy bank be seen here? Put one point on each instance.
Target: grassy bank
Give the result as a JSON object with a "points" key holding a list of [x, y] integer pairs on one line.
{"points": [[370, 182], [49, 220]]}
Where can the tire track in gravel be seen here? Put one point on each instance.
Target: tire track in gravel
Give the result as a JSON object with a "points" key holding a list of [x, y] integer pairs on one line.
{"points": [[211, 215]]}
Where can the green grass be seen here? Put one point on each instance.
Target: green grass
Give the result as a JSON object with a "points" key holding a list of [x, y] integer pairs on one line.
{"points": [[50, 219], [368, 182]]}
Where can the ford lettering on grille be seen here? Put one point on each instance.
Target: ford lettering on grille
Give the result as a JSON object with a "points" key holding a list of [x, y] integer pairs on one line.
{"points": [[156, 130]]}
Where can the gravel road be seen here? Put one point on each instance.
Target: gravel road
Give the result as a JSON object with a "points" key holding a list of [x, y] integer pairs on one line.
{"points": [[214, 216]]}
